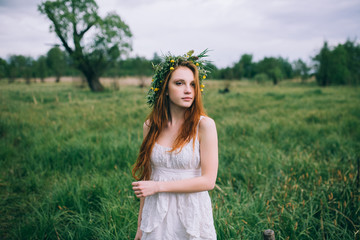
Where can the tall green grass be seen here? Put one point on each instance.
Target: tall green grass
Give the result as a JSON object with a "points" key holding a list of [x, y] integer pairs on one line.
{"points": [[288, 160]]}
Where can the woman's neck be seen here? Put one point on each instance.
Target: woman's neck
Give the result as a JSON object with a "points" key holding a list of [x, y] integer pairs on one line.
{"points": [[177, 115]]}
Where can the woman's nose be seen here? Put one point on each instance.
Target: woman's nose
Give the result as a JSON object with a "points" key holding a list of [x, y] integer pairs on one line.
{"points": [[188, 88]]}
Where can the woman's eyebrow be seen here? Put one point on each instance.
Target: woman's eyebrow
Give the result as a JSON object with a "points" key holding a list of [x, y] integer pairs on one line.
{"points": [[180, 79]]}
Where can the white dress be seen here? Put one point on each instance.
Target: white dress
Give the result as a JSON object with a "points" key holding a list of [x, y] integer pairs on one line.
{"points": [[177, 216]]}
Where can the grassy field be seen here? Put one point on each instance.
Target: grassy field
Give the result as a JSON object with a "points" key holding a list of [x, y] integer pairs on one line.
{"points": [[288, 161]]}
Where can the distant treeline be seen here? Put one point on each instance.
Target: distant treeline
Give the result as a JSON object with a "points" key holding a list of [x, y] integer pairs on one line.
{"points": [[339, 65]]}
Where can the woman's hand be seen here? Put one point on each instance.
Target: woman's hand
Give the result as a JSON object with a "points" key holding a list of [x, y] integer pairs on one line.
{"points": [[145, 188], [138, 234]]}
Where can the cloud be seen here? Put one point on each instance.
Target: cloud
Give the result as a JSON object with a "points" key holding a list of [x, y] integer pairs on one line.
{"points": [[291, 29]]}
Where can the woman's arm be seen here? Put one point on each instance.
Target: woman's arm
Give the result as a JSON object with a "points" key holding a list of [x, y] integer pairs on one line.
{"points": [[209, 166], [138, 231]]}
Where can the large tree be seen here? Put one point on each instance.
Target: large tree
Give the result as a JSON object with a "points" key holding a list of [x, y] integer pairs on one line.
{"points": [[93, 43], [244, 68], [323, 65], [41, 68], [20, 67], [300, 69], [272, 68], [338, 65], [56, 62]]}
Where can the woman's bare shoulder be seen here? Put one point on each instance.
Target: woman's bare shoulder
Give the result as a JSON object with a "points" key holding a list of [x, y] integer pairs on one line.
{"points": [[207, 128], [207, 123]]}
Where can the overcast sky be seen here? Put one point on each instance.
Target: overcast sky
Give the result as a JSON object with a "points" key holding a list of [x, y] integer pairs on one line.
{"points": [[288, 28]]}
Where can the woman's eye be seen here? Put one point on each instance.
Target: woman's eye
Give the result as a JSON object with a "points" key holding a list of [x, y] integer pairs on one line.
{"points": [[178, 83], [193, 84]]}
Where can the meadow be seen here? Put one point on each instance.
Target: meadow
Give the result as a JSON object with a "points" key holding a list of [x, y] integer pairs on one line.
{"points": [[288, 160]]}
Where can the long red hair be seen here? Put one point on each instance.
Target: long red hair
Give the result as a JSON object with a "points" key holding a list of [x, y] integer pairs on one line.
{"points": [[159, 117]]}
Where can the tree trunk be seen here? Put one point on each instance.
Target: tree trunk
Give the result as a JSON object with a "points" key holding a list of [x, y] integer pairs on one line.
{"points": [[275, 81], [57, 79], [94, 84], [269, 234]]}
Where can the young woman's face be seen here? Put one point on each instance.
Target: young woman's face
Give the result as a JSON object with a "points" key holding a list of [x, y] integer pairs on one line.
{"points": [[181, 87]]}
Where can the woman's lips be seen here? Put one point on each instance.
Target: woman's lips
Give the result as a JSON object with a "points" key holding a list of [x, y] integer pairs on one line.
{"points": [[187, 98]]}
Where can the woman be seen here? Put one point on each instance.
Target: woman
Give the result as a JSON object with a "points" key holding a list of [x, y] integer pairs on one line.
{"points": [[178, 158]]}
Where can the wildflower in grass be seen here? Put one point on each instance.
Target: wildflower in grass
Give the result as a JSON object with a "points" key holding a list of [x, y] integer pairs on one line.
{"points": [[331, 196], [320, 180], [156, 89], [171, 68], [204, 77], [197, 64], [172, 61], [152, 80], [296, 226], [202, 86]]}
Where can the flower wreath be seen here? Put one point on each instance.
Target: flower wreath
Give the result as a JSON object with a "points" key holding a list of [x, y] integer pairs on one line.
{"points": [[168, 64]]}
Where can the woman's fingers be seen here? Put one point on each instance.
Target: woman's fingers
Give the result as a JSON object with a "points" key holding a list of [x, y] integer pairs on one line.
{"points": [[144, 188], [137, 189]]}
